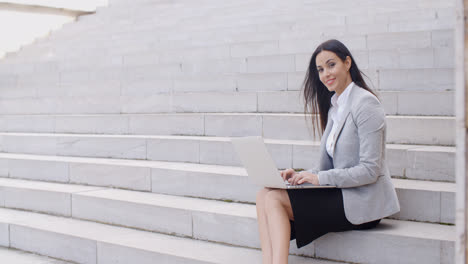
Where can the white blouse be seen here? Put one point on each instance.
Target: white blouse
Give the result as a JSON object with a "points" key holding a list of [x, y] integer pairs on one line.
{"points": [[338, 104]]}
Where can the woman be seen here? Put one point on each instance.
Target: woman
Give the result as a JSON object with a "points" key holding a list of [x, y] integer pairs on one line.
{"points": [[352, 158]]}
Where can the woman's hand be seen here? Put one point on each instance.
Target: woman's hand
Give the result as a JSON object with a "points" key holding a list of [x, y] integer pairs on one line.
{"points": [[303, 177], [287, 174]]}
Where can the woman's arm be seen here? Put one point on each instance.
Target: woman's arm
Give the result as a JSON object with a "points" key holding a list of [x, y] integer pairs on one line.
{"points": [[370, 122]]}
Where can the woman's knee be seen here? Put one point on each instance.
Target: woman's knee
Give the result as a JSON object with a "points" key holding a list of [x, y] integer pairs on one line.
{"points": [[273, 198], [261, 195]]}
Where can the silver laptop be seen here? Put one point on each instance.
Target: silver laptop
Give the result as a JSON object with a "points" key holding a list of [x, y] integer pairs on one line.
{"points": [[260, 166]]}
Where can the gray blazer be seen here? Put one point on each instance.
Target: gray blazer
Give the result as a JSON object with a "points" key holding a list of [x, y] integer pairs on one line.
{"points": [[359, 166]]}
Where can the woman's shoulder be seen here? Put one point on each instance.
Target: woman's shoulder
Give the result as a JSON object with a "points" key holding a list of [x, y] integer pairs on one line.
{"points": [[364, 94], [365, 102], [362, 97]]}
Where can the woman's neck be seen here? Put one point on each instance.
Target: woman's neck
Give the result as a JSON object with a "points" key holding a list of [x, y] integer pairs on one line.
{"points": [[340, 91]]}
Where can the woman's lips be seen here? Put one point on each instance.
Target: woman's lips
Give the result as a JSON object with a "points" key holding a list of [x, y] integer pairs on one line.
{"points": [[329, 82]]}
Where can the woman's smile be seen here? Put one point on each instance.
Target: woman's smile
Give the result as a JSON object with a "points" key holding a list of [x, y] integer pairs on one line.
{"points": [[330, 81]]}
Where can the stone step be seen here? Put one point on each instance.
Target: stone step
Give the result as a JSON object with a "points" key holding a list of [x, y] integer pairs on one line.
{"points": [[406, 161], [420, 200], [87, 242], [289, 38], [232, 10], [14, 256], [259, 74], [432, 50], [431, 53], [400, 129], [167, 4], [427, 17], [214, 16], [298, 31], [281, 39], [369, 50], [278, 100], [209, 220], [289, 23], [339, 23]]}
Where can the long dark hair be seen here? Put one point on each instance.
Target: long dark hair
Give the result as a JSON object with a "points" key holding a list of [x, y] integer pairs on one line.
{"points": [[316, 96]]}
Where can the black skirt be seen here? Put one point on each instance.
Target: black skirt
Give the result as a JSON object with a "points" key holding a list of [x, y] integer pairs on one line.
{"points": [[318, 212]]}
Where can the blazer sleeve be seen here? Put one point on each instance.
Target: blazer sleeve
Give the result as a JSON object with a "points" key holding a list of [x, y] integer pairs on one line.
{"points": [[369, 118]]}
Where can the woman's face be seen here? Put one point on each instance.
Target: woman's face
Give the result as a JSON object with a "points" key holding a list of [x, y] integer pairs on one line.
{"points": [[333, 72]]}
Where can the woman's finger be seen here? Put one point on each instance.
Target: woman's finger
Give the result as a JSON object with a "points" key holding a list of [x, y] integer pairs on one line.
{"points": [[297, 178], [301, 181], [291, 179]]}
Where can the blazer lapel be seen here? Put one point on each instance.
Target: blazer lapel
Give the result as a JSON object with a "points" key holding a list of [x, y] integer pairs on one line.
{"points": [[341, 124], [346, 112]]}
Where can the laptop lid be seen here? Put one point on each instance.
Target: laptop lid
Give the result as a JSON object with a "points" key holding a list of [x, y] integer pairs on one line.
{"points": [[258, 162]]}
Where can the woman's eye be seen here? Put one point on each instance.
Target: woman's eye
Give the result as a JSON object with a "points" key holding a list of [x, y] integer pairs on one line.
{"points": [[320, 70], [332, 64]]}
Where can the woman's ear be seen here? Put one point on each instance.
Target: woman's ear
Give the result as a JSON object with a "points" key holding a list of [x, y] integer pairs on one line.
{"points": [[348, 62]]}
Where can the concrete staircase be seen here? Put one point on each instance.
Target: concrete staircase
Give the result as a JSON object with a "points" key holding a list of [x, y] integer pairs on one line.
{"points": [[114, 131], [14, 256]]}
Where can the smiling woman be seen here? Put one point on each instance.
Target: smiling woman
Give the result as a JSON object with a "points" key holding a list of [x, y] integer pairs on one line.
{"points": [[333, 71], [352, 158], [330, 60]]}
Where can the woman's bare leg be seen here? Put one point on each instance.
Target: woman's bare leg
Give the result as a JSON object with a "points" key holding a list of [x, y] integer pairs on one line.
{"points": [[265, 241], [279, 212]]}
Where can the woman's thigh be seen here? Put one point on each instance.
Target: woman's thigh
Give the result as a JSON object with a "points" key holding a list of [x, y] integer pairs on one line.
{"points": [[279, 196]]}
